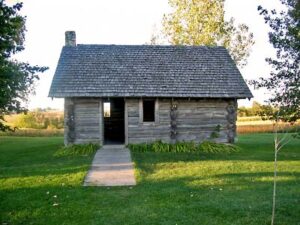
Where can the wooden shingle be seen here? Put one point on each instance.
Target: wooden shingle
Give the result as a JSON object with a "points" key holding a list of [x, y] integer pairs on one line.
{"points": [[147, 71]]}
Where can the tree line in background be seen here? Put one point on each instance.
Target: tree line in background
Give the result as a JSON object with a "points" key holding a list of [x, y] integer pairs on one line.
{"points": [[37, 119], [256, 109]]}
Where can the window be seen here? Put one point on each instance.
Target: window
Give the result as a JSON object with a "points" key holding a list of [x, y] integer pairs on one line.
{"points": [[106, 109], [148, 110]]}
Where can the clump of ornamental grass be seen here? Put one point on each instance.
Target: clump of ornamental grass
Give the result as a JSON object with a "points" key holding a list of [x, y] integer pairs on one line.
{"points": [[212, 147], [159, 146], [77, 150], [206, 147]]}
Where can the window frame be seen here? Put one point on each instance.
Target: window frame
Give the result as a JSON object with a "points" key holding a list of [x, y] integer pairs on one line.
{"points": [[141, 112], [152, 101]]}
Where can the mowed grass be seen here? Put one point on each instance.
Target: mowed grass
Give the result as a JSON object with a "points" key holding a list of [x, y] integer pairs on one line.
{"points": [[181, 188]]}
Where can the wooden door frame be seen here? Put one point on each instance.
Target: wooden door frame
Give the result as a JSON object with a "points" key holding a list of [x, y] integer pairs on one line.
{"points": [[102, 101]]}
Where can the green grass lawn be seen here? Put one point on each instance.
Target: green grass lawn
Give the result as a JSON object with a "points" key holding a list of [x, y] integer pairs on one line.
{"points": [[38, 188]]}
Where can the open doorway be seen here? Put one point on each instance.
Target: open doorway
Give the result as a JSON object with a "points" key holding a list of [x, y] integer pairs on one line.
{"points": [[114, 132]]}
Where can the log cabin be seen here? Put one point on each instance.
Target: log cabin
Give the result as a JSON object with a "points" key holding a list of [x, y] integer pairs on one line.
{"points": [[120, 94]]}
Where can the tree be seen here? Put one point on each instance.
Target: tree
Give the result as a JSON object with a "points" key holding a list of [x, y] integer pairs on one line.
{"points": [[201, 22], [17, 79], [256, 108], [284, 79]]}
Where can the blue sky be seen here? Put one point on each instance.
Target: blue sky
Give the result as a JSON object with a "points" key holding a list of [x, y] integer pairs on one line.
{"points": [[121, 22]]}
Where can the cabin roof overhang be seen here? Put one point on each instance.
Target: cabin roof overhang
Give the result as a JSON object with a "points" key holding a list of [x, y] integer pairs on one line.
{"points": [[147, 71]]}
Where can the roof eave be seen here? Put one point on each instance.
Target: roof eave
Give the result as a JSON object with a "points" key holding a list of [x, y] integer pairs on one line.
{"points": [[72, 95]]}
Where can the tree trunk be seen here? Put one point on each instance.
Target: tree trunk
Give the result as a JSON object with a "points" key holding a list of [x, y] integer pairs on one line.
{"points": [[274, 185]]}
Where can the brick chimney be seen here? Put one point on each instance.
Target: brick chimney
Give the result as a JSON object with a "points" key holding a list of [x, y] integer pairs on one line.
{"points": [[70, 38]]}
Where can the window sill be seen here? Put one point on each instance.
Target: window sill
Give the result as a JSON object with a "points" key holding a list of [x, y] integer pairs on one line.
{"points": [[149, 123]]}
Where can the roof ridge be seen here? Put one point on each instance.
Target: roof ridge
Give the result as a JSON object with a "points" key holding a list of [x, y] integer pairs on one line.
{"points": [[149, 45]]}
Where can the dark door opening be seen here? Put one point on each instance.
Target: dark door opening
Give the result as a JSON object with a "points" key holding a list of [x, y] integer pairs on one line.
{"points": [[114, 121]]}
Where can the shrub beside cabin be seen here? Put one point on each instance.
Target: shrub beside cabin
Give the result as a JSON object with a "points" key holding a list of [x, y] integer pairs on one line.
{"points": [[142, 93]]}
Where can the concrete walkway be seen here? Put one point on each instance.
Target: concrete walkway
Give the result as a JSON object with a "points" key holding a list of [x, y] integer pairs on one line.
{"points": [[111, 166]]}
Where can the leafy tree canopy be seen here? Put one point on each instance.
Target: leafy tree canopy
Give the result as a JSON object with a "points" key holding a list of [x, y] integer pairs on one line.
{"points": [[284, 79], [201, 22], [16, 78]]}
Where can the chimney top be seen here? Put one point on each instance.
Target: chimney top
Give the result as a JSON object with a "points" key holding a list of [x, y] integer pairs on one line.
{"points": [[70, 38]]}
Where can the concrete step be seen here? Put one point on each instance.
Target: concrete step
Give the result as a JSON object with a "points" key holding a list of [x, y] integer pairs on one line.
{"points": [[111, 166]]}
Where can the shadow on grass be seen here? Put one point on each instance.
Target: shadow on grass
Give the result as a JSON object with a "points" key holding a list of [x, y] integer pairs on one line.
{"points": [[251, 180], [154, 202], [41, 171]]}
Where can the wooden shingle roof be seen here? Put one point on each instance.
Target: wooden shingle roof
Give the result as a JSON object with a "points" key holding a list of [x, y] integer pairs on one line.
{"points": [[147, 71]]}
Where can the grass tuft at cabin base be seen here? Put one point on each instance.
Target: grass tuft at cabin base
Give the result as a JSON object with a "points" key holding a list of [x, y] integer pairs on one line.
{"points": [[184, 147], [77, 150]]}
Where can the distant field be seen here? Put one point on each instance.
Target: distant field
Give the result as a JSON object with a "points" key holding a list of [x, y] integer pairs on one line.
{"points": [[265, 128], [248, 118], [29, 132], [255, 124]]}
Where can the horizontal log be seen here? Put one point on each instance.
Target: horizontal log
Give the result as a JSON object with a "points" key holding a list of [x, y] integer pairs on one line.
{"points": [[207, 127], [147, 140], [132, 100], [133, 114], [190, 110], [133, 120], [87, 119], [87, 113], [150, 134], [201, 123], [87, 128], [89, 123], [86, 108], [85, 141], [203, 101], [199, 132], [90, 135], [133, 133]]}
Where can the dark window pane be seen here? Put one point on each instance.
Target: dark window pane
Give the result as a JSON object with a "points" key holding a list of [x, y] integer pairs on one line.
{"points": [[149, 110]]}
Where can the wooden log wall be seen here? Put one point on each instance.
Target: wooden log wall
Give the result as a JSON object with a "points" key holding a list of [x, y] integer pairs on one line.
{"points": [[176, 120], [183, 120], [83, 121], [198, 119], [143, 132]]}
